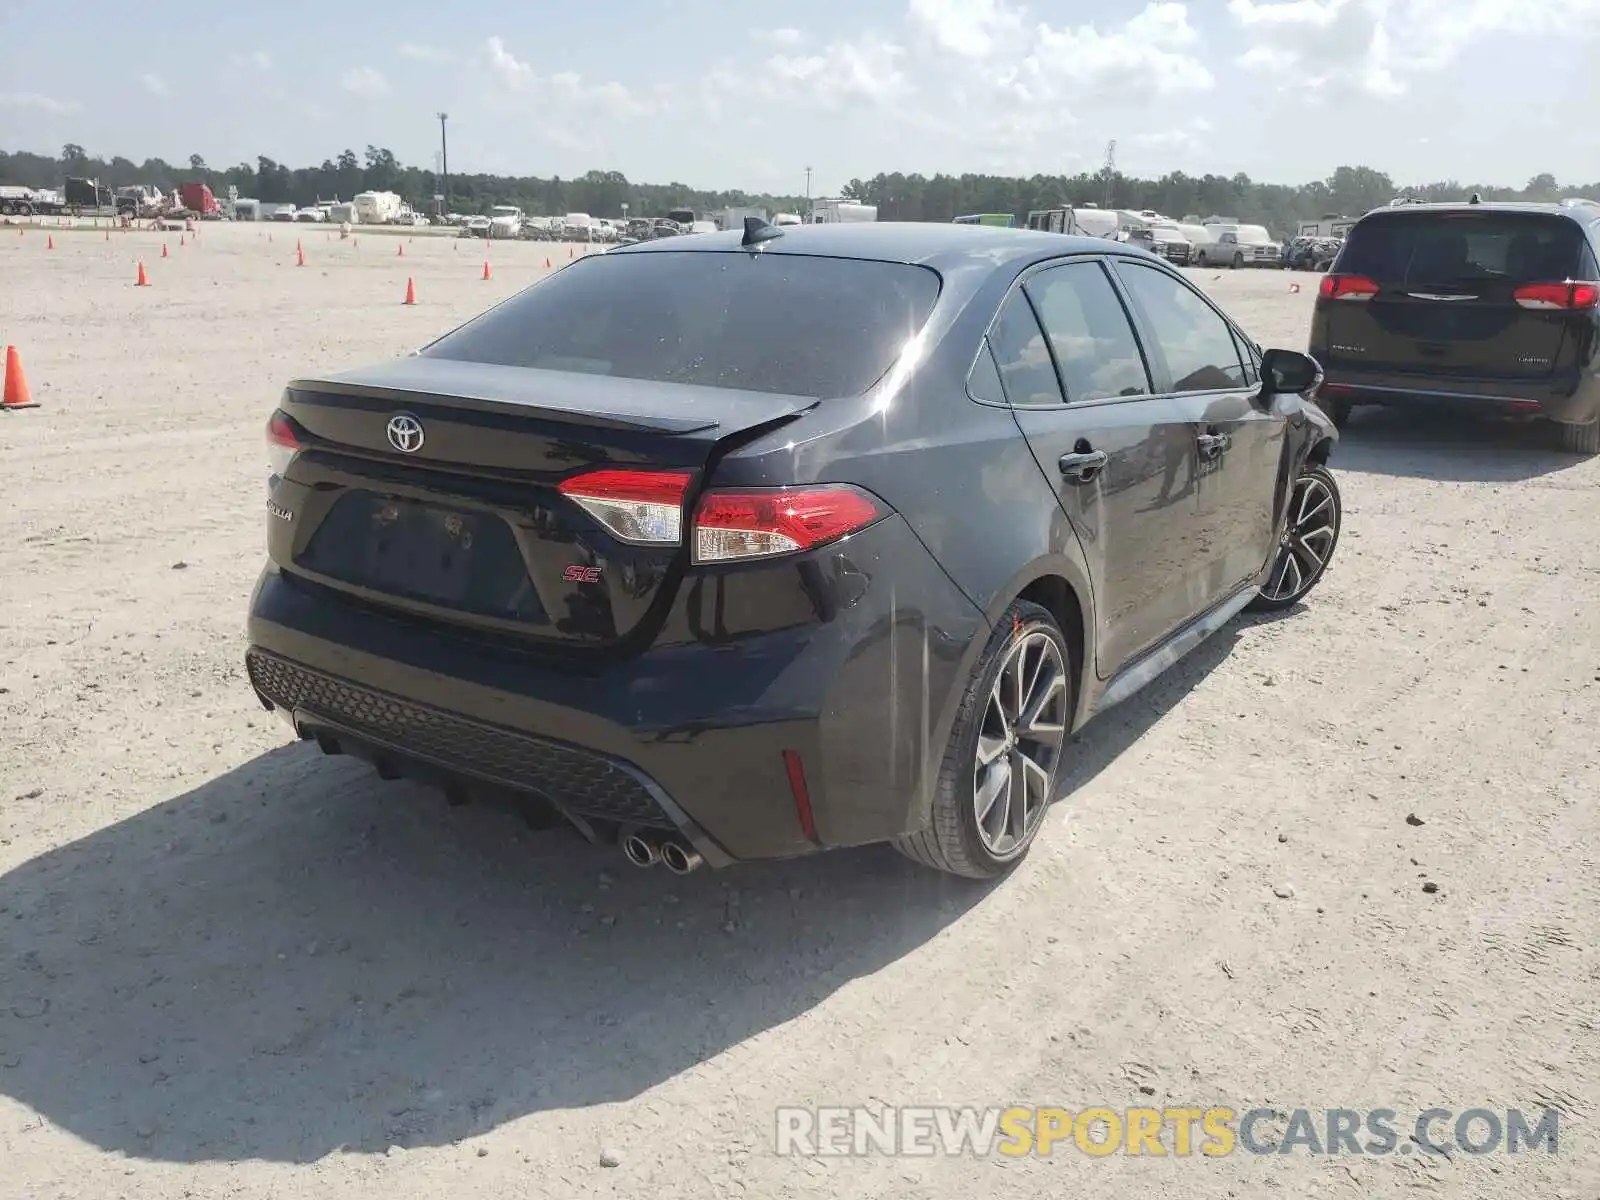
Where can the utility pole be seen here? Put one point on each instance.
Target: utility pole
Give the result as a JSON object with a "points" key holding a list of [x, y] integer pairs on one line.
{"points": [[444, 162], [1110, 171], [808, 193]]}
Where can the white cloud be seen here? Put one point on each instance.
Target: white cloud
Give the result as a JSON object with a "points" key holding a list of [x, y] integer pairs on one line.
{"points": [[866, 69], [778, 37], [566, 91], [1382, 45], [154, 84], [37, 102], [971, 28], [511, 70], [425, 53], [258, 59], [1154, 53], [365, 82]]}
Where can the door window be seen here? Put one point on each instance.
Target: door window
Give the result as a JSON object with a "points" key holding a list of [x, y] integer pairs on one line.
{"points": [[1095, 348], [1022, 355], [1196, 342]]}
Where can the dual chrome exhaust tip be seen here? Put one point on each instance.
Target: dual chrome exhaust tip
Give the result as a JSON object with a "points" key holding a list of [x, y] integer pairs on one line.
{"points": [[646, 850]]}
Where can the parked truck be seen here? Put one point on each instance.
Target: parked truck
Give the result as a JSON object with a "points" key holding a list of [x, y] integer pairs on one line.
{"points": [[198, 199], [841, 212]]}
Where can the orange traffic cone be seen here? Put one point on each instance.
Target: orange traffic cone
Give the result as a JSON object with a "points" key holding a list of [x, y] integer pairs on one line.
{"points": [[570, 252], [411, 292], [546, 262], [16, 394], [181, 242], [49, 243], [164, 250], [299, 257], [143, 280], [400, 250], [108, 235], [486, 274]]}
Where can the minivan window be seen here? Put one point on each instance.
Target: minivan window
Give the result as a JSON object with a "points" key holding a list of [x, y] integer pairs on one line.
{"points": [[786, 323], [1443, 248]]}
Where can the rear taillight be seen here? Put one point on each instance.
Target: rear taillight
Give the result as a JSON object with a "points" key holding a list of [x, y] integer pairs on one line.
{"points": [[1564, 295], [282, 444], [641, 507], [1346, 287], [731, 526], [645, 508]]}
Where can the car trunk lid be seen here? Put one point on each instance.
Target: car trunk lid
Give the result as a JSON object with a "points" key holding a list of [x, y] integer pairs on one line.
{"points": [[431, 486]]}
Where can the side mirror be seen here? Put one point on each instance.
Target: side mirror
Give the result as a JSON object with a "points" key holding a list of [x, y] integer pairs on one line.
{"points": [[1288, 371]]}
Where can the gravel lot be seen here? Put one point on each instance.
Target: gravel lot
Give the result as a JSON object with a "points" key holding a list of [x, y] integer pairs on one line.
{"points": [[230, 967]]}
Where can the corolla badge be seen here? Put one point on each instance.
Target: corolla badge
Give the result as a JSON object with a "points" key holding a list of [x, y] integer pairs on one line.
{"points": [[405, 433]]}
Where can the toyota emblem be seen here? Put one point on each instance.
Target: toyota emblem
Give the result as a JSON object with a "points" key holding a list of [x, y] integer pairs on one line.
{"points": [[405, 433]]}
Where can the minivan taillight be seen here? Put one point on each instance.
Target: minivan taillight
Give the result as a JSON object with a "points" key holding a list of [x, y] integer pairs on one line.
{"points": [[735, 525], [1346, 287], [1564, 295]]}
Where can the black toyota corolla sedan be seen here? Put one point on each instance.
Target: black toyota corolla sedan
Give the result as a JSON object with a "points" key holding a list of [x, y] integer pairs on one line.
{"points": [[753, 544]]}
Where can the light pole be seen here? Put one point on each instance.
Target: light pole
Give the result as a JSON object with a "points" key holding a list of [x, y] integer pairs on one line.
{"points": [[808, 193], [444, 162]]}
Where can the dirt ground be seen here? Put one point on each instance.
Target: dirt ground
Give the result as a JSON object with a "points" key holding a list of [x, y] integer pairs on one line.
{"points": [[231, 967]]}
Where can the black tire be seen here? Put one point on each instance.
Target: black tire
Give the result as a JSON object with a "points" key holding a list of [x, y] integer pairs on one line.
{"points": [[1581, 439], [1238, 260], [952, 841], [1310, 545]]}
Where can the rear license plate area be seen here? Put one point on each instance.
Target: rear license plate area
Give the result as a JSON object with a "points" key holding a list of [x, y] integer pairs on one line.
{"points": [[453, 558]]}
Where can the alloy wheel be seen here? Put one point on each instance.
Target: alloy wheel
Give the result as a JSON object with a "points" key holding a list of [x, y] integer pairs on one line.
{"points": [[1307, 541], [1019, 743]]}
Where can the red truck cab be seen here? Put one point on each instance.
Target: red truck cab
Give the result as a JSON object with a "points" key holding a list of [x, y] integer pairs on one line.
{"points": [[198, 199]]}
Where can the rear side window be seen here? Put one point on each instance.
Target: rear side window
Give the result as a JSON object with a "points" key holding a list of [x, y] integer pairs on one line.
{"points": [[1441, 248], [1022, 355], [786, 323], [1095, 349]]}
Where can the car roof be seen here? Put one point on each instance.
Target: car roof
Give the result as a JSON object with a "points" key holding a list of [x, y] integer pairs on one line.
{"points": [[924, 243], [1578, 213]]}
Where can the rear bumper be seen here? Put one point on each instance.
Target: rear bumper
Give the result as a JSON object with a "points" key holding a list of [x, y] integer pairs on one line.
{"points": [[689, 734], [1571, 397]]}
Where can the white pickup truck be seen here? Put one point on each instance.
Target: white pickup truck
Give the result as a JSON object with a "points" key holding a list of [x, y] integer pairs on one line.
{"points": [[1237, 246]]}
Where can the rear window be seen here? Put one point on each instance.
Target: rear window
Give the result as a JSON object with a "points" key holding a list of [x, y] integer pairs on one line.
{"points": [[1433, 248], [786, 323]]}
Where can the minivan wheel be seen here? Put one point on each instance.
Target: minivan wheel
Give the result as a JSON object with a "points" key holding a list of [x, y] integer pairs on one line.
{"points": [[999, 771], [1305, 548], [1581, 439]]}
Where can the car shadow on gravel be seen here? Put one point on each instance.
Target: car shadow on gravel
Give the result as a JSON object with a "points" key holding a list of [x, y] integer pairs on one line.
{"points": [[1451, 447], [296, 958]]}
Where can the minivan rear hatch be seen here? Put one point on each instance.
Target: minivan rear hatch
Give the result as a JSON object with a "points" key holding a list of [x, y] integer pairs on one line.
{"points": [[1468, 292], [479, 482]]}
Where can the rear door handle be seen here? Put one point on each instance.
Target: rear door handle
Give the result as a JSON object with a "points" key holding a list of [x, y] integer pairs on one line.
{"points": [[1082, 466], [1213, 444]]}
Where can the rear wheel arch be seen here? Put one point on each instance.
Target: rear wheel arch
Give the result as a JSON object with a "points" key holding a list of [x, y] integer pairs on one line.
{"points": [[1319, 453], [1059, 598]]}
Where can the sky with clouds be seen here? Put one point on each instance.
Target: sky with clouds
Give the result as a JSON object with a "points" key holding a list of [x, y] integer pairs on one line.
{"points": [[691, 91]]}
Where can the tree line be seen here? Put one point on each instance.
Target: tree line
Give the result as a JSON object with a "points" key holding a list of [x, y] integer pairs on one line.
{"points": [[1348, 191]]}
